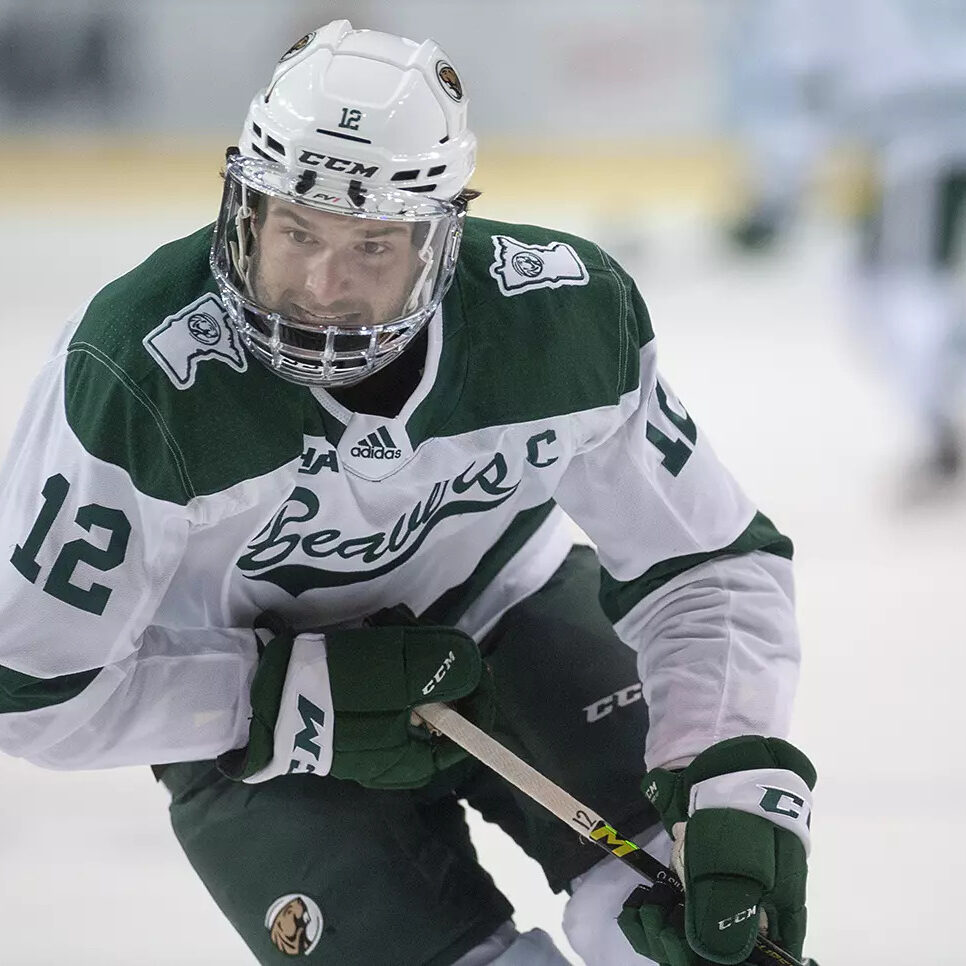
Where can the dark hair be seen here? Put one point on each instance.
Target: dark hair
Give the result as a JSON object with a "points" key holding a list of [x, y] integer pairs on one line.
{"points": [[463, 199]]}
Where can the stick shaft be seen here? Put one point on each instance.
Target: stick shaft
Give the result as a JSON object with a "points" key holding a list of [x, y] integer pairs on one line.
{"points": [[442, 718], [542, 790]]}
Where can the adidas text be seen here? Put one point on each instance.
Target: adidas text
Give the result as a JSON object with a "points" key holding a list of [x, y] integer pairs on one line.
{"points": [[377, 446], [376, 453]]}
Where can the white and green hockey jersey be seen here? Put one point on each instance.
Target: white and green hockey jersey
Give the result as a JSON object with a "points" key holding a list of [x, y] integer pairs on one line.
{"points": [[163, 489]]}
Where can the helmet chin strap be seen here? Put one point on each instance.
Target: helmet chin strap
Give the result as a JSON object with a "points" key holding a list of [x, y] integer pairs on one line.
{"points": [[240, 255], [425, 255], [421, 283]]}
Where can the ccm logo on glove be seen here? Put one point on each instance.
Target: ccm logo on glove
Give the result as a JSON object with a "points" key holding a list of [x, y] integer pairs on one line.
{"points": [[740, 917], [307, 747], [786, 800], [440, 674], [778, 801]]}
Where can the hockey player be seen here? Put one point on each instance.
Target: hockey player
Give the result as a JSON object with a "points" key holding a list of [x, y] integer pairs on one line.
{"points": [[261, 505], [890, 76]]}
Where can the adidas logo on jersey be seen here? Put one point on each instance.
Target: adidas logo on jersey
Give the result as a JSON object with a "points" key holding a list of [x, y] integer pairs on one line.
{"points": [[377, 446]]}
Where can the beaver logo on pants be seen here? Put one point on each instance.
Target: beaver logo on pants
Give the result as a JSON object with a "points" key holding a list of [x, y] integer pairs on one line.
{"points": [[295, 924]]}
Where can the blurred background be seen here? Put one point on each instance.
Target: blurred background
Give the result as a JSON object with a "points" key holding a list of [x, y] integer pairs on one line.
{"points": [[785, 181]]}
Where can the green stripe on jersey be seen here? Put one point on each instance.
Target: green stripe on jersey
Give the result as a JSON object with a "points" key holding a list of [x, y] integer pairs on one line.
{"points": [[453, 604], [23, 692], [618, 598]]}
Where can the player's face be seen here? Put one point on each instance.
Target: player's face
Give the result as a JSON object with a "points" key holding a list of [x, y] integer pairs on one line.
{"points": [[318, 267]]}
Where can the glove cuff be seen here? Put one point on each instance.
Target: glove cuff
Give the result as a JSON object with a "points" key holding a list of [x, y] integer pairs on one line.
{"points": [[776, 794], [292, 717], [670, 792]]}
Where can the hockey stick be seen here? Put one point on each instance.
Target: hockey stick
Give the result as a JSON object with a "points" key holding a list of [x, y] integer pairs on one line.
{"points": [[442, 719]]}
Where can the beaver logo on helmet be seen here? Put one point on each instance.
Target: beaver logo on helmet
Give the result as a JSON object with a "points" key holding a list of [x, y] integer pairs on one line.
{"points": [[294, 923], [450, 80], [299, 44]]}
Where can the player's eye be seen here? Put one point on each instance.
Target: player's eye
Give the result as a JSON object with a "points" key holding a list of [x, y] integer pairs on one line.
{"points": [[302, 238], [373, 248]]}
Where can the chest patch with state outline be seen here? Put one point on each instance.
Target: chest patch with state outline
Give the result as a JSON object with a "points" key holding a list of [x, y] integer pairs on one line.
{"points": [[198, 332], [518, 267]]}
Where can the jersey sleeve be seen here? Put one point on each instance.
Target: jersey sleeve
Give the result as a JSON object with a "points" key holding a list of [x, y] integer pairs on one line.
{"points": [[694, 578], [86, 678]]}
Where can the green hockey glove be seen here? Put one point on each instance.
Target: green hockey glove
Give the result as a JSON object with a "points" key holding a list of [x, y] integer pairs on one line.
{"points": [[739, 815], [339, 702]]}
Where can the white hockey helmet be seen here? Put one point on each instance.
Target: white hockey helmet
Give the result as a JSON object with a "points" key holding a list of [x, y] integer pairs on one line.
{"points": [[359, 132]]}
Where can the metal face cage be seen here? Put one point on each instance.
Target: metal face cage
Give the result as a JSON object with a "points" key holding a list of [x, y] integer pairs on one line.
{"points": [[386, 257]]}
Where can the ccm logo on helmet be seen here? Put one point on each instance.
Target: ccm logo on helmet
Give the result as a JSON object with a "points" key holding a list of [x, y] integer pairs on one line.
{"points": [[338, 164]]}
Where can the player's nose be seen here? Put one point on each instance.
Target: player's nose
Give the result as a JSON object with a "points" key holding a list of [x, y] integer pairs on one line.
{"points": [[327, 277]]}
